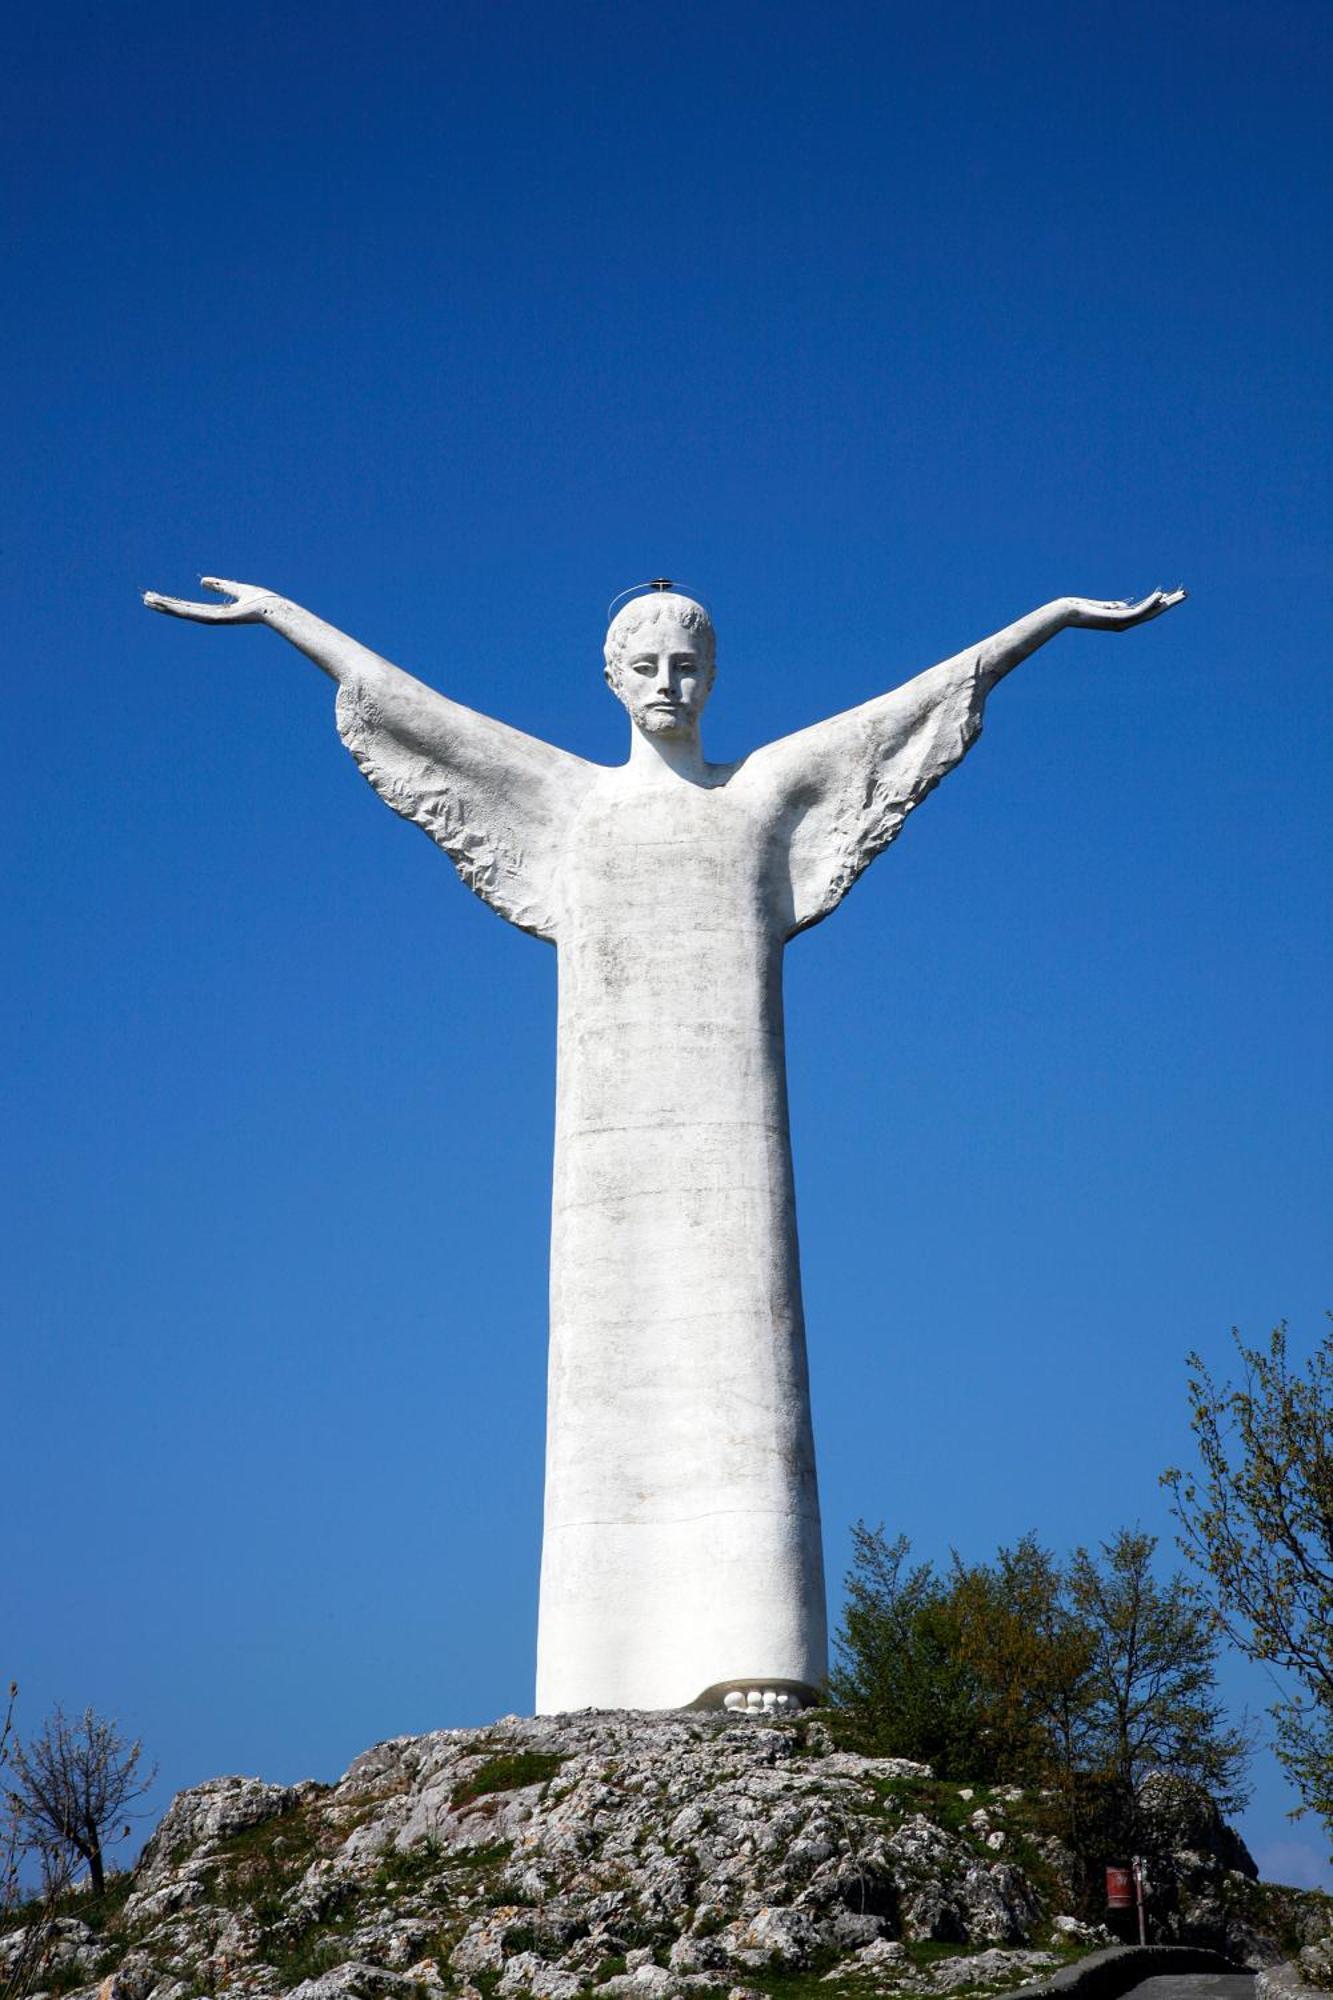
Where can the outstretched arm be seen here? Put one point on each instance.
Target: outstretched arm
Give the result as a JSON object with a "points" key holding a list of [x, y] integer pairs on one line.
{"points": [[339, 657], [1001, 653], [841, 790], [498, 802]]}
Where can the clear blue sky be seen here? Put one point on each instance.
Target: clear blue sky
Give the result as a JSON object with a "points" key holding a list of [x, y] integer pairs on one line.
{"points": [[878, 327]]}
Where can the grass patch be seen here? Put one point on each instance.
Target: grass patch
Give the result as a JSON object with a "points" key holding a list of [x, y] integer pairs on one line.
{"points": [[257, 1867], [940, 1801], [925, 1952], [403, 1871], [525, 1937], [257, 1870], [98, 1912], [506, 1774], [481, 1859], [937, 1798], [807, 1985], [305, 1953]]}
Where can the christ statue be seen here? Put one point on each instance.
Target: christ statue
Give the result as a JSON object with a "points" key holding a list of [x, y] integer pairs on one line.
{"points": [[681, 1556]]}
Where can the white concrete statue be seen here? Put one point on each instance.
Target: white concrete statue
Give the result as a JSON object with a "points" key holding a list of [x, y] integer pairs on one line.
{"points": [[681, 1562]]}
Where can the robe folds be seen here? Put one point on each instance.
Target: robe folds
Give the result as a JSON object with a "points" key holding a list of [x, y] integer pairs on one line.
{"points": [[681, 1552]]}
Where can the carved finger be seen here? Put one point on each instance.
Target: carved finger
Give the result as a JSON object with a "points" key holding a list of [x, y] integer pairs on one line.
{"points": [[1154, 606], [1133, 610], [1160, 601], [181, 607]]}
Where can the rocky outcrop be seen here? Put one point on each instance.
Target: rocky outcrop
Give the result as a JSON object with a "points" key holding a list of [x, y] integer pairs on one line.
{"points": [[656, 1857], [197, 1821]]}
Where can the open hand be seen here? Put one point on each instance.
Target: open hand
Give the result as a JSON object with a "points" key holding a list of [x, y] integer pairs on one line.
{"points": [[1119, 616], [248, 603]]}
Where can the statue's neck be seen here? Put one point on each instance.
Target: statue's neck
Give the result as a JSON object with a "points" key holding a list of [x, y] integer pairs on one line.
{"points": [[657, 759]]}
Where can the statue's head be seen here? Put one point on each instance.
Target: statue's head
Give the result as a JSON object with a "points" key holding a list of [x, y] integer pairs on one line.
{"points": [[659, 662]]}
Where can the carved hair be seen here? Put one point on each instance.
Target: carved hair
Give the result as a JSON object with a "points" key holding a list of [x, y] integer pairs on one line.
{"points": [[649, 610]]}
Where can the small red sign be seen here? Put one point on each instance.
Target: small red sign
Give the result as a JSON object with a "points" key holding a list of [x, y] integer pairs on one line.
{"points": [[1119, 1888]]}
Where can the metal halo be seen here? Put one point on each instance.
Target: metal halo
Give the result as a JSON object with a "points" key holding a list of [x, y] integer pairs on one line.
{"points": [[659, 584]]}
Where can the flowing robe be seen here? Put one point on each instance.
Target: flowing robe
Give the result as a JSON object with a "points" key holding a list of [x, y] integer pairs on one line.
{"points": [[681, 1552]]}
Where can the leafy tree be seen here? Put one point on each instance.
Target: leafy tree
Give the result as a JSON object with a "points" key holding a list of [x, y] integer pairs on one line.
{"points": [[70, 1784], [1154, 1701], [1077, 1678], [1033, 1657], [1257, 1521], [901, 1680]]}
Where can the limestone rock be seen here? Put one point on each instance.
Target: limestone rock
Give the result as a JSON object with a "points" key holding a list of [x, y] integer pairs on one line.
{"points": [[1180, 1817], [1199, 1872], [196, 1820], [987, 1969], [1316, 1964], [354, 1982], [626, 1856], [1069, 1930], [772, 1940], [69, 1947], [883, 1954]]}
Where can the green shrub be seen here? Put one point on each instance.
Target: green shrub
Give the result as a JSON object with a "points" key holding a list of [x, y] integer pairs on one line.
{"points": [[507, 1774]]}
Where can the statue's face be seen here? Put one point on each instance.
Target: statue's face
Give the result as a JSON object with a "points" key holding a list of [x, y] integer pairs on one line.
{"points": [[663, 678]]}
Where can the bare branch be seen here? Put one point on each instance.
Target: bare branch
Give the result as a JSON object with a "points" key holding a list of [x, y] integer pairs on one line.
{"points": [[70, 1784]]}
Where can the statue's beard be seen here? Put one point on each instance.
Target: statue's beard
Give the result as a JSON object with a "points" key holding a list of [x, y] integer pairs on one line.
{"points": [[667, 722], [658, 716]]}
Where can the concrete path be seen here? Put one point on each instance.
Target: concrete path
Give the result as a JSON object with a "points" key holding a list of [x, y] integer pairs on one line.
{"points": [[1195, 1986]]}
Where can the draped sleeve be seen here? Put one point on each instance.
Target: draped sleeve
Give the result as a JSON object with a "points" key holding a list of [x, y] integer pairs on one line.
{"points": [[840, 791], [498, 802]]}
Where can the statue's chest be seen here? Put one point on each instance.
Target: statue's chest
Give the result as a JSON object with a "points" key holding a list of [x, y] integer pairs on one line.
{"points": [[677, 858]]}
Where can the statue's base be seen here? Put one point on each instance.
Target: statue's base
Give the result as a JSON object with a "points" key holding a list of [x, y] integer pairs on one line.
{"points": [[758, 1695]]}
